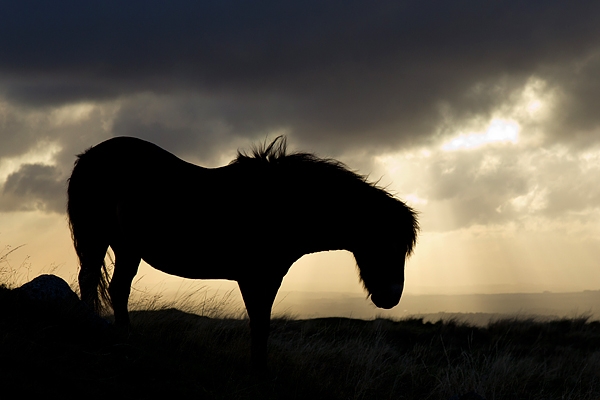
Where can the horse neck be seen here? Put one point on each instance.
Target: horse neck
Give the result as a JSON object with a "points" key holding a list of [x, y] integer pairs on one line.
{"points": [[333, 228]]}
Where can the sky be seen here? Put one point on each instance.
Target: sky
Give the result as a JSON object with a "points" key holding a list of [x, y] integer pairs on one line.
{"points": [[482, 115]]}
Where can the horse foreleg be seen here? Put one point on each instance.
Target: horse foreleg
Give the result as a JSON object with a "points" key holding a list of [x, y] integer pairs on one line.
{"points": [[259, 298], [120, 286]]}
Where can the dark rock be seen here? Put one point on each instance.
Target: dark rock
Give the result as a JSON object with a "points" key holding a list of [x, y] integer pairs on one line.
{"points": [[49, 297], [48, 289]]}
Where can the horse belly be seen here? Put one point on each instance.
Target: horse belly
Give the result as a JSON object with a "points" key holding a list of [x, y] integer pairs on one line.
{"points": [[197, 262], [186, 243]]}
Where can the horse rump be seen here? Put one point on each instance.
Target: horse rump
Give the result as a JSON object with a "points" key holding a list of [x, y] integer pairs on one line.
{"points": [[86, 215]]}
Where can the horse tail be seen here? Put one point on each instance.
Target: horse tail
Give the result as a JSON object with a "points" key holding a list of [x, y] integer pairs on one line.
{"points": [[87, 222]]}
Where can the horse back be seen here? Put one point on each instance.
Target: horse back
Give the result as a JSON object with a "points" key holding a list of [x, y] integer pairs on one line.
{"points": [[173, 212]]}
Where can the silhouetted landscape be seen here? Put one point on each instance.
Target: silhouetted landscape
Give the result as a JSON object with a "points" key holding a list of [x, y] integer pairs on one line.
{"points": [[55, 352]]}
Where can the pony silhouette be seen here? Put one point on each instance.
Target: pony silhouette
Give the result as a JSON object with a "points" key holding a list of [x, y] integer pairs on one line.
{"points": [[248, 221]]}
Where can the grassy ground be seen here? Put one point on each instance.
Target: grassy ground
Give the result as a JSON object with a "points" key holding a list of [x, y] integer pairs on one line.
{"points": [[53, 353]]}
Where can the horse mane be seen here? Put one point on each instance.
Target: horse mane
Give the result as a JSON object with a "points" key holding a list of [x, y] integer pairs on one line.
{"points": [[276, 154], [266, 153]]}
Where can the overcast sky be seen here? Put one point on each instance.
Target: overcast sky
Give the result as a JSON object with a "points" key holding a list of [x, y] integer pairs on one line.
{"points": [[483, 115]]}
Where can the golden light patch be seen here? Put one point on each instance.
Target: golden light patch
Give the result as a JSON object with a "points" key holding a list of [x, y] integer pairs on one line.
{"points": [[71, 114], [498, 131]]}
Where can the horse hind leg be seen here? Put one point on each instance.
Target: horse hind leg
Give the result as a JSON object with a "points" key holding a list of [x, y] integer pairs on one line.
{"points": [[92, 283], [126, 267]]}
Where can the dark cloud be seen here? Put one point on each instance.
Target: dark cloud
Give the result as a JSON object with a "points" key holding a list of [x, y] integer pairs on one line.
{"points": [[34, 187], [194, 127], [346, 79], [575, 116], [38, 151], [372, 73], [17, 132]]}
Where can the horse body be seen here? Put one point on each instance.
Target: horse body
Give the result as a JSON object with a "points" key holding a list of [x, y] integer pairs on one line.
{"points": [[248, 221]]}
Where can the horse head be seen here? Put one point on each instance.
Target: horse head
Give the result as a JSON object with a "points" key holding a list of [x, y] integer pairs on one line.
{"points": [[382, 274], [382, 255]]}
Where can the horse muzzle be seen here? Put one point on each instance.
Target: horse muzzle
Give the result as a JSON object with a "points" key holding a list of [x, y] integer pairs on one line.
{"points": [[389, 298]]}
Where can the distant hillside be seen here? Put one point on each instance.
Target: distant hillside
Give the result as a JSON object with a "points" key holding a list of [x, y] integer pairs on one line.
{"points": [[474, 308], [541, 304]]}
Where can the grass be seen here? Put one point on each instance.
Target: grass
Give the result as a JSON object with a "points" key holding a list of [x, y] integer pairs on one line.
{"points": [[175, 353], [170, 352]]}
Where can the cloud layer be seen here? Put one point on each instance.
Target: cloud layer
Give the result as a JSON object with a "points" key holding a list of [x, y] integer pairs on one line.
{"points": [[355, 80]]}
